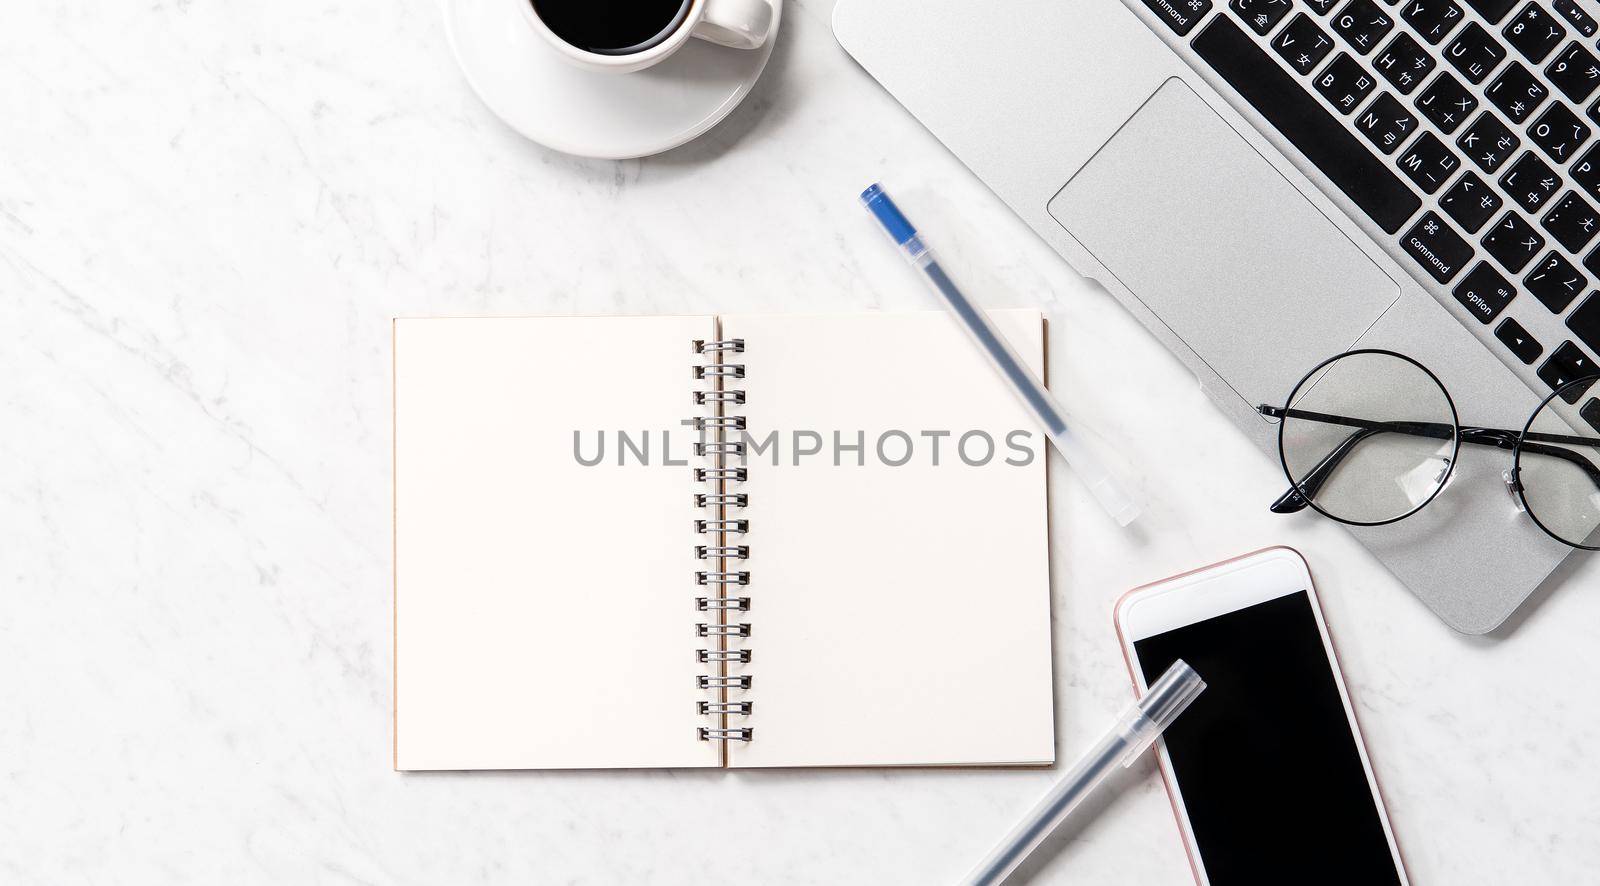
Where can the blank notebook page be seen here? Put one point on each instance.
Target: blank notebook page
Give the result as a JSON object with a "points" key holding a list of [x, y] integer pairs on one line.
{"points": [[900, 614], [543, 609]]}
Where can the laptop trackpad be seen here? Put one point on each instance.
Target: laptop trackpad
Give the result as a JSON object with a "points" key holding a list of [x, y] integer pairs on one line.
{"points": [[1221, 247]]}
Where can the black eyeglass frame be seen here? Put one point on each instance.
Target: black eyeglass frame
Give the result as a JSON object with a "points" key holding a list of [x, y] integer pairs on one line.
{"points": [[1300, 497]]}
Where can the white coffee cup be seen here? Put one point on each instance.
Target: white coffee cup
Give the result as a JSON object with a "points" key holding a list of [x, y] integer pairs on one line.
{"points": [[740, 24]]}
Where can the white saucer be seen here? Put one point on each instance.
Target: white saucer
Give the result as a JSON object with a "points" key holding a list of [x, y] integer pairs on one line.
{"points": [[526, 83]]}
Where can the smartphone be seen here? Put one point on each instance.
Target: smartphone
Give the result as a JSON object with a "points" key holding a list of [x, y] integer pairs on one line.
{"points": [[1268, 776]]}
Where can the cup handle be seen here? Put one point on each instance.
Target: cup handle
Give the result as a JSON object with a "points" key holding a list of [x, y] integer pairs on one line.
{"points": [[741, 24]]}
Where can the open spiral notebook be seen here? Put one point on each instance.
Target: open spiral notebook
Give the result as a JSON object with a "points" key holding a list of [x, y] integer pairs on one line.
{"points": [[765, 564]]}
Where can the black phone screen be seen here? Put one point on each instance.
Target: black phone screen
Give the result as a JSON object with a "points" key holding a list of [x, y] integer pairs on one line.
{"points": [[1265, 759]]}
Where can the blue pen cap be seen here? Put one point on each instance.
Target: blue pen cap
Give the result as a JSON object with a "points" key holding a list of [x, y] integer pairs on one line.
{"points": [[883, 209]]}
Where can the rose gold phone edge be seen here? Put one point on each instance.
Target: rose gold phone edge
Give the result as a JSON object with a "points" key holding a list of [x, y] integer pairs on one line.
{"points": [[1167, 779]]}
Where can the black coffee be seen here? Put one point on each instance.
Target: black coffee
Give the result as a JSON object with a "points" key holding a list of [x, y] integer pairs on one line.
{"points": [[613, 27]]}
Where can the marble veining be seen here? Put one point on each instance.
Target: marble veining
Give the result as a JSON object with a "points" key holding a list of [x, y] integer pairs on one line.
{"points": [[208, 213]]}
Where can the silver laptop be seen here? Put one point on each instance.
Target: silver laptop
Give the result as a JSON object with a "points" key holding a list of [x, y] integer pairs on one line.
{"points": [[1266, 183]]}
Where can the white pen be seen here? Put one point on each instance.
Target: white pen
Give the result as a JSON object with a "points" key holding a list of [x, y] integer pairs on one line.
{"points": [[1029, 389], [1135, 730]]}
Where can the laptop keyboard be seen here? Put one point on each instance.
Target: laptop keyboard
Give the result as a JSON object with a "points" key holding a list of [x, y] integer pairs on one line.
{"points": [[1465, 130]]}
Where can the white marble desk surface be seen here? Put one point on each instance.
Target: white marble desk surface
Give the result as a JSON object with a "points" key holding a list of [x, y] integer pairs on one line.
{"points": [[208, 212]]}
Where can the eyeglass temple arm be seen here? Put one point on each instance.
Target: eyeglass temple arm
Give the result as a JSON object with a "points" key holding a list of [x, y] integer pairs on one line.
{"points": [[1583, 464], [1293, 500], [1504, 438], [1433, 429], [1298, 497]]}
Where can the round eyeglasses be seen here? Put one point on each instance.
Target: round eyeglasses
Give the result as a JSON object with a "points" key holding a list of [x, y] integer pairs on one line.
{"points": [[1370, 437]]}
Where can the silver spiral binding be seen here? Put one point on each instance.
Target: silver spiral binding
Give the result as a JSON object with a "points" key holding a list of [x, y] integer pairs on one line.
{"points": [[734, 345], [720, 370], [730, 552], [742, 682], [719, 421], [744, 734], [720, 448], [717, 442]]}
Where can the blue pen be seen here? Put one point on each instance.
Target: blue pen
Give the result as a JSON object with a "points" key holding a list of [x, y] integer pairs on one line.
{"points": [[1029, 389]]}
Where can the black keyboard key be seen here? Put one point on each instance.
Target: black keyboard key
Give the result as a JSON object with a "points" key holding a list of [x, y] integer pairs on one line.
{"points": [[1261, 15], [1575, 361], [1572, 222], [1433, 19], [1179, 15], [1322, 7], [1470, 202], [1404, 63], [1591, 413], [1516, 92], [1488, 142], [1585, 321], [1586, 172], [1428, 162], [1530, 181], [1493, 10], [1517, 340], [1594, 112], [1484, 292], [1302, 44], [1475, 53], [1558, 132], [1386, 123], [1438, 249], [1324, 141], [1576, 72], [1569, 363], [1446, 102], [1363, 24], [1513, 242], [1555, 282], [1592, 262], [1534, 32], [1575, 16], [1344, 83]]}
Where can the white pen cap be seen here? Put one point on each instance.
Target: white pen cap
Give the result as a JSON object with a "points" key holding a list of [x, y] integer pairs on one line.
{"points": [[1143, 722]]}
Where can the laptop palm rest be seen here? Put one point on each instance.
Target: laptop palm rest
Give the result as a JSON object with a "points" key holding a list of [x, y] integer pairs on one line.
{"points": [[1220, 247]]}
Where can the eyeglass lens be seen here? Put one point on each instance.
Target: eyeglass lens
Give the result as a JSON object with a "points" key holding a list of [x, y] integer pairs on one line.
{"points": [[1370, 437]]}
